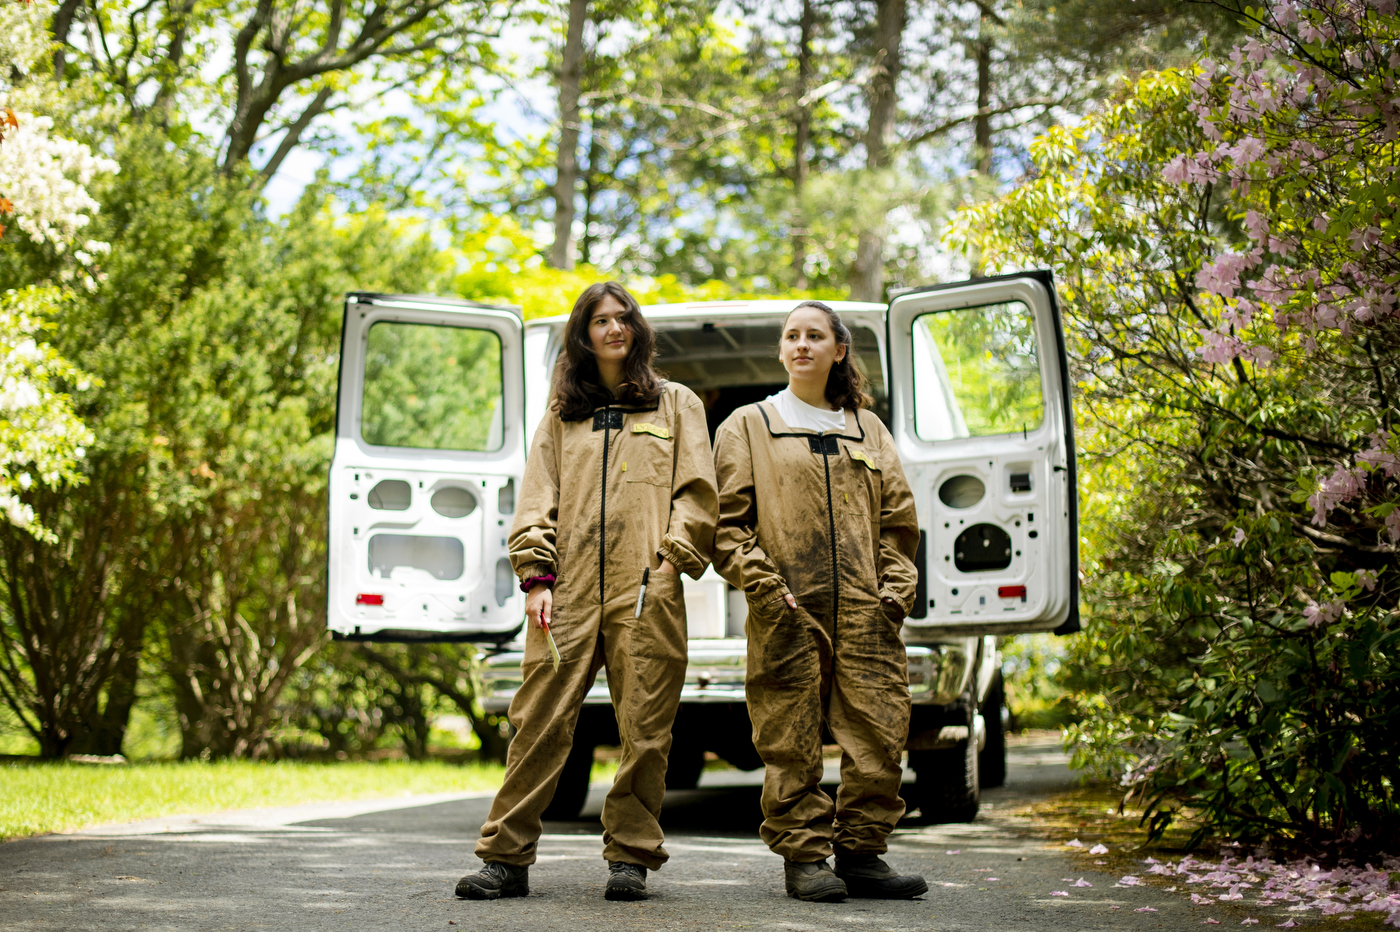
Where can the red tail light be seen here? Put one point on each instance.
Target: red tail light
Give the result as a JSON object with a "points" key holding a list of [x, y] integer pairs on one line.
{"points": [[366, 598], [1012, 592]]}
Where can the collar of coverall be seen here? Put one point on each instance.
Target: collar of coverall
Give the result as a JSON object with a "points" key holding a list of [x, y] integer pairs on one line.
{"points": [[625, 409], [777, 427]]}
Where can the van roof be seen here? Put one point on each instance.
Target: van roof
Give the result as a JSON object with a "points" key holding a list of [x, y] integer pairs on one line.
{"points": [[721, 309]]}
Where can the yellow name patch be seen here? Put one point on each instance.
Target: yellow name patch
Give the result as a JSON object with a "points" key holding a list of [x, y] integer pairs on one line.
{"points": [[652, 429], [861, 457]]}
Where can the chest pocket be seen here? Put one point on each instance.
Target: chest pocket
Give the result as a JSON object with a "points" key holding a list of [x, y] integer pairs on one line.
{"points": [[649, 454], [861, 493]]}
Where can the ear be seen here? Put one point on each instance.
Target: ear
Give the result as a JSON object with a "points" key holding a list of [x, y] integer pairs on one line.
{"points": [[840, 352]]}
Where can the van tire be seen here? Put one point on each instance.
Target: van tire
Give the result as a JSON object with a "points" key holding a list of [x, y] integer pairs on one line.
{"points": [[684, 766], [991, 766], [571, 792], [947, 783]]}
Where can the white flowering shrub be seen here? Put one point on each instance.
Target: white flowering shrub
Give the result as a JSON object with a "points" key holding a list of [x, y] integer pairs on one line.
{"points": [[44, 197], [41, 439], [43, 180]]}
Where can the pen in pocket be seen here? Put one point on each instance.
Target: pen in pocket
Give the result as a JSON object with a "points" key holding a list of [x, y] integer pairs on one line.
{"points": [[642, 593]]}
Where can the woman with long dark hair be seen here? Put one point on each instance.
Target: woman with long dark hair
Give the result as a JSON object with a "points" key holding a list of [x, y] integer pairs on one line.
{"points": [[618, 498], [817, 527]]}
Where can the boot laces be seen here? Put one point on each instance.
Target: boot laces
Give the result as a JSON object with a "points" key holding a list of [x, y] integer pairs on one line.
{"points": [[622, 867], [497, 870]]}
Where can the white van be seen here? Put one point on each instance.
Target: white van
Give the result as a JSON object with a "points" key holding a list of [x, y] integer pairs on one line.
{"points": [[439, 398]]}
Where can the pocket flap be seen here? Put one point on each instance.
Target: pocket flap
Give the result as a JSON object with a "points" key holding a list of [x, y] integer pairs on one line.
{"points": [[860, 456]]}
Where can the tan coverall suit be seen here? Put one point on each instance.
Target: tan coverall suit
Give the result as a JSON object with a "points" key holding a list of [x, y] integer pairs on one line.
{"points": [[603, 498], [830, 519]]}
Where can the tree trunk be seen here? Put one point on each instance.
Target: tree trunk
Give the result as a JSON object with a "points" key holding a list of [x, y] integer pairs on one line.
{"points": [[982, 125], [801, 140], [590, 192], [62, 24], [107, 732], [868, 272], [566, 162]]}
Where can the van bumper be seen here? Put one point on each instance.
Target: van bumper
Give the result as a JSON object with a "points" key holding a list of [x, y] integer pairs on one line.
{"points": [[938, 674]]}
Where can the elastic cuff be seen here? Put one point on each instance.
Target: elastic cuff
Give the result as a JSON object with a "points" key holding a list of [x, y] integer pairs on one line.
{"points": [[905, 605], [531, 570], [775, 593], [683, 562], [533, 581]]}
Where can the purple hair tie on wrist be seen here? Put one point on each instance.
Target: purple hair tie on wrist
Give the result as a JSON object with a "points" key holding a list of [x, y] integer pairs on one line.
{"points": [[530, 583]]}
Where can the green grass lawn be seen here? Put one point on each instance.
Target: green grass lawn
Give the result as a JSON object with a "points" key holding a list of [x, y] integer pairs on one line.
{"points": [[38, 798]]}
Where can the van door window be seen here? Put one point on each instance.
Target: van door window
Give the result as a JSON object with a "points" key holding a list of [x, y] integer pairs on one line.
{"points": [[431, 387], [976, 372]]}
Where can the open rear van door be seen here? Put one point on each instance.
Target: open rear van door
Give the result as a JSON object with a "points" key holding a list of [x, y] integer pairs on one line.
{"points": [[429, 455], [980, 406]]}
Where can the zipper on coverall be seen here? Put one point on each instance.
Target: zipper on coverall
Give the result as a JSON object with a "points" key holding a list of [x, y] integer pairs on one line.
{"points": [[822, 447], [603, 507]]}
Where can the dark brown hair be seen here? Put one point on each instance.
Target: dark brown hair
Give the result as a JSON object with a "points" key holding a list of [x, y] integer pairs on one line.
{"points": [[845, 386], [578, 388]]}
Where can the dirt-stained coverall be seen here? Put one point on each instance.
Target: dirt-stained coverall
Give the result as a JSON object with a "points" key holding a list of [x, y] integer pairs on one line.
{"points": [[829, 518], [603, 498]]}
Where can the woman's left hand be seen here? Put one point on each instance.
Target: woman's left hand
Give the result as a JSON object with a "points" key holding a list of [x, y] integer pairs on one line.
{"points": [[667, 567], [893, 608]]}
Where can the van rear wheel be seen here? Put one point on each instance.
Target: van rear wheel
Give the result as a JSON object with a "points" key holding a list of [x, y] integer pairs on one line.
{"points": [[684, 766], [947, 784], [991, 767], [572, 790]]}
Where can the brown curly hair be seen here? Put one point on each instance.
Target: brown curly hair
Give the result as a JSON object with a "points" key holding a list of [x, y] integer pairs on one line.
{"points": [[578, 388], [845, 386]]}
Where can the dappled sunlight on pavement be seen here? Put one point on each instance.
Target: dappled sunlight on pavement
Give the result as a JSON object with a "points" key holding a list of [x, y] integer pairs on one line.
{"points": [[392, 865]]}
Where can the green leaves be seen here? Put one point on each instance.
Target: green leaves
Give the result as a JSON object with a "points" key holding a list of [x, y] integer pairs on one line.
{"points": [[1235, 658]]}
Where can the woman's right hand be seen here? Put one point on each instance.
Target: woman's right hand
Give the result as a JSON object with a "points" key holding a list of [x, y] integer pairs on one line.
{"points": [[539, 604]]}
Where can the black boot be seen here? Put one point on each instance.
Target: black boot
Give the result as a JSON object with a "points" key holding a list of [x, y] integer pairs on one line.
{"points": [[869, 877], [494, 881], [813, 881], [626, 881]]}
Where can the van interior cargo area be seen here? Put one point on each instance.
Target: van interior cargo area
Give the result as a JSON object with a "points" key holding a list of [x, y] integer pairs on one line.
{"points": [[730, 366]]}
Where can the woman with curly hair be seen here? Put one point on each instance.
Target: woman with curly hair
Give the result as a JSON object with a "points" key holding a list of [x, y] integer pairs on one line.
{"points": [[618, 499]]}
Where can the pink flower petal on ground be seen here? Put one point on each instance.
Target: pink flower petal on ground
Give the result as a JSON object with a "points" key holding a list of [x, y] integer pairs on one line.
{"points": [[1074, 844], [956, 851], [1058, 893], [1144, 909], [1081, 882], [1290, 924], [993, 878], [1100, 862], [1210, 922], [1115, 907], [1130, 881], [1250, 922], [1099, 849]]}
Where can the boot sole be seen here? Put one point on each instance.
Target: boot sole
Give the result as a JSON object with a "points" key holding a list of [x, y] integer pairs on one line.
{"points": [[862, 891], [624, 894], [469, 891], [833, 895]]}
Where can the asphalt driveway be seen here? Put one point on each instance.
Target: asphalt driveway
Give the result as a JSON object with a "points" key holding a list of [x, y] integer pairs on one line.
{"points": [[392, 865]]}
